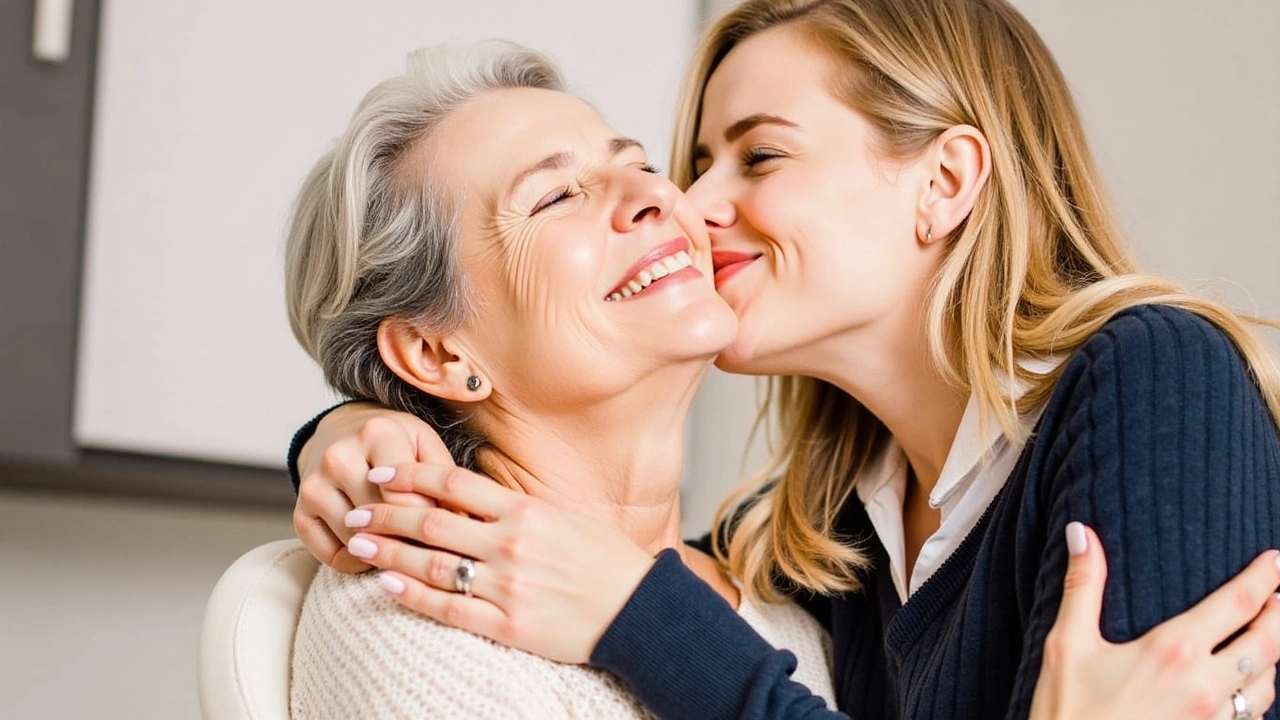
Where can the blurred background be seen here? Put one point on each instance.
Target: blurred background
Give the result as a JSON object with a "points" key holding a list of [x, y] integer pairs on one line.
{"points": [[149, 383]]}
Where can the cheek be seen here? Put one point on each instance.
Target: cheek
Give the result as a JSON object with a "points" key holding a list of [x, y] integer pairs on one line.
{"points": [[553, 268]]}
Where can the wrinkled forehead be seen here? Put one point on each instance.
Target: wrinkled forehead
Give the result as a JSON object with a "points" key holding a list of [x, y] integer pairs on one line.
{"points": [[484, 145]]}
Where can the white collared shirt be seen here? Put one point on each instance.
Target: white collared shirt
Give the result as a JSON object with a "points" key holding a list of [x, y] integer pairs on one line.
{"points": [[965, 488]]}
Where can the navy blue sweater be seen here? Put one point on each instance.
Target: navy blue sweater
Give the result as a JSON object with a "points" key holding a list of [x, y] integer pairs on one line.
{"points": [[1155, 435]]}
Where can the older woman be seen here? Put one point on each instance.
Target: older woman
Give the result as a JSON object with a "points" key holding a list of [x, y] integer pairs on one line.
{"points": [[482, 250]]}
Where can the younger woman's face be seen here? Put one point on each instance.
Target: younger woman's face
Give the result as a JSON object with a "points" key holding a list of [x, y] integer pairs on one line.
{"points": [[814, 232]]}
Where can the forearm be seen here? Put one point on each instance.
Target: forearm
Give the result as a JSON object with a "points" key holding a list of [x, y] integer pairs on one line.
{"points": [[687, 654]]}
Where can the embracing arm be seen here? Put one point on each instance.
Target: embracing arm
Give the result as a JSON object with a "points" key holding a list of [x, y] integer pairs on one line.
{"points": [[686, 654], [1161, 443]]}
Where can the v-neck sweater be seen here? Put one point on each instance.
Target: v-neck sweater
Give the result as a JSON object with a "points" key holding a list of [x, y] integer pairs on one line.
{"points": [[1155, 435]]}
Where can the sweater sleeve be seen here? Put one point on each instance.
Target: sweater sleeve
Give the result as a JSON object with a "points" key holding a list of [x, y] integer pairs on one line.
{"points": [[686, 654], [1165, 446]]}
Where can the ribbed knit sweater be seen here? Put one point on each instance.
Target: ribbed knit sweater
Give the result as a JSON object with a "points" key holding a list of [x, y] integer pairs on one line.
{"points": [[1155, 435]]}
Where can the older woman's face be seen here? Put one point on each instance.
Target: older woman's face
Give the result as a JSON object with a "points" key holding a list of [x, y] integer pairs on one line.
{"points": [[592, 271]]}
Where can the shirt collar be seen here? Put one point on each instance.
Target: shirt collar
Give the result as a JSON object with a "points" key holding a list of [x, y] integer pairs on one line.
{"points": [[972, 445]]}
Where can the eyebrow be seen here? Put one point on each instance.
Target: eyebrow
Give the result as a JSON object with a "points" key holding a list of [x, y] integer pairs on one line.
{"points": [[735, 131], [556, 161]]}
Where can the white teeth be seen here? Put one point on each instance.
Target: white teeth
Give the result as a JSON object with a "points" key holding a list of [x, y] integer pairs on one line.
{"points": [[658, 270]]}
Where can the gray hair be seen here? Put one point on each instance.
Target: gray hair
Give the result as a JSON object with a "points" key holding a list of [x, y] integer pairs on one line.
{"points": [[369, 240]]}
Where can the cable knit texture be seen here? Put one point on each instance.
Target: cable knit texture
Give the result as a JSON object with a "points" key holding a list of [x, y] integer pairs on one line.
{"points": [[1155, 435], [359, 654]]}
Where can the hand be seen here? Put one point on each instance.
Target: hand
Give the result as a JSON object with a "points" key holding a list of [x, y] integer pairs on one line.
{"points": [[1172, 671], [334, 467], [537, 566]]}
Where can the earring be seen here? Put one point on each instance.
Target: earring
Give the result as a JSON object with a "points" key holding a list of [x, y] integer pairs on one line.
{"points": [[473, 383], [928, 234]]}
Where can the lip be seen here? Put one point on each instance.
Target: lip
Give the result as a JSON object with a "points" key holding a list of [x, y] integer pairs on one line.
{"points": [[667, 248], [727, 263]]}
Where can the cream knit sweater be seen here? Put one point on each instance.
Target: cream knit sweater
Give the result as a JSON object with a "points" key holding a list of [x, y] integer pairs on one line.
{"points": [[358, 654]]}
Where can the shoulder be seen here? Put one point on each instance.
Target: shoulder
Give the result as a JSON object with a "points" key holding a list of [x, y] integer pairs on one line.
{"points": [[1148, 334], [1157, 350], [1160, 336], [355, 648]]}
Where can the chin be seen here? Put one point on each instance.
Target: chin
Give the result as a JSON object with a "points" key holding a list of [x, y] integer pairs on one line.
{"points": [[705, 327], [739, 357]]}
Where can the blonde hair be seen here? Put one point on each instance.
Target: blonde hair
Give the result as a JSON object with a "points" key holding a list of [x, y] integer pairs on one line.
{"points": [[370, 238], [1038, 267]]}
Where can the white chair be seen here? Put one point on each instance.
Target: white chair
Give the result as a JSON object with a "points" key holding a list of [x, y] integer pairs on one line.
{"points": [[247, 639]]}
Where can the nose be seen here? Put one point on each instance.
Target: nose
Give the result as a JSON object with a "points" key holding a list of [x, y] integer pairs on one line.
{"points": [[717, 209], [645, 196]]}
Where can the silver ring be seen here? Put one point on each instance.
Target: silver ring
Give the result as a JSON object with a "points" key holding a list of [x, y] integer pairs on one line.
{"points": [[1241, 706], [1245, 666], [463, 576]]}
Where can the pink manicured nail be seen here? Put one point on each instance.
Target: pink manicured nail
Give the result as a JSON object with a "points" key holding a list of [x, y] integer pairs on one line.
{"points": [[361, 548], [358, 518], [381, 474], [391, 583], [1077, 542]]}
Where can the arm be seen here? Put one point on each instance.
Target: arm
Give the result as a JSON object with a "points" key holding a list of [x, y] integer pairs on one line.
{"points": [[1161, 442], [685, 653], [1084, 676]]}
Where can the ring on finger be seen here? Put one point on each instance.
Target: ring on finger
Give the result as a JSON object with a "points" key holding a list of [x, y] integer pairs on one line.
{"points": [[464, 575], [1241, 706], [1245, 666]]}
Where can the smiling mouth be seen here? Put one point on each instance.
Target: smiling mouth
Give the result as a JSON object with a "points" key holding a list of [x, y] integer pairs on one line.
{"points": [[725, 264], [651, 273]]}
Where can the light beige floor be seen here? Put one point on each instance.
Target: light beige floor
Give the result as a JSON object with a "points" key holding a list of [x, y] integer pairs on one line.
{"points": [[101, 601]]}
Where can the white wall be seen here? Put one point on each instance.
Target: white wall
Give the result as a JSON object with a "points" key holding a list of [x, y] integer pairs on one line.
{"points": [[1182, 101], [101, 601], [207, 117]]}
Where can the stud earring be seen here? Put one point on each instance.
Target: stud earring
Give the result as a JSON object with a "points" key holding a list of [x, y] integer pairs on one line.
{"points": [[473, 383], [928, 234]]}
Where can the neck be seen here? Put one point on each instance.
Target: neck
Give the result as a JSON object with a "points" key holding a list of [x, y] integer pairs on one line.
{"points": [[617, 460], [893, 376]]}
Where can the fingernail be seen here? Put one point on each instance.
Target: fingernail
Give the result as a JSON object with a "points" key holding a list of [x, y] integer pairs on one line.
{"points": [[358, 518], [1278, 562], [381, 474], [361, 548], [391, 583], [1077, 542]]}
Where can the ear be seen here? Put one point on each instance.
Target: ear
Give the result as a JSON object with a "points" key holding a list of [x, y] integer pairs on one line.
{"points": [[438, 366], [960, 163]]}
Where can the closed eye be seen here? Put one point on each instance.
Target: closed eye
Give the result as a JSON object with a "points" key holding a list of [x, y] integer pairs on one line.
{"points": [[560, 195], [757, 156]]}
